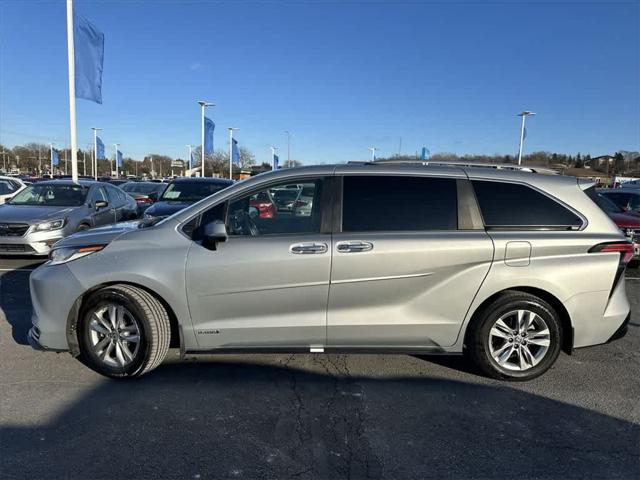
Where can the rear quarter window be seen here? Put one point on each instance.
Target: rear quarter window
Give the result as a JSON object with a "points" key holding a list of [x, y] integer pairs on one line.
{"points": [[517, 206]]}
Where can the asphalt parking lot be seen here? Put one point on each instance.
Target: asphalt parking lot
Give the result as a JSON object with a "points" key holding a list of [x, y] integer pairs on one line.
{"points": [[313, 416]]}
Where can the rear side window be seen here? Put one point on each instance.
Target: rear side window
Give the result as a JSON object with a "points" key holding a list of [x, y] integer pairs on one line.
{"points": [[516, 206], [385, 203]]}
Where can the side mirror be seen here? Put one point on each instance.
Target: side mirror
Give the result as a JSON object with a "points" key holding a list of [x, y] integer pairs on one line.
{"points": [[214, 233], [101, 204]]}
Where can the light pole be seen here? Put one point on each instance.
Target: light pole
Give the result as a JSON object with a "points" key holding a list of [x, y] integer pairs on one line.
{"points": [[51, 153], [95, 152], [288, 134], [116, 145], [190, 165], [273, 157], [373, 153], [231, 129], [203, 106], [524, 115]]}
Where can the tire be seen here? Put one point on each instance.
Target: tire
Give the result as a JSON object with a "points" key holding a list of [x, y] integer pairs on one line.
{"points": [[82, 227], [499, 353], [106, 348]]}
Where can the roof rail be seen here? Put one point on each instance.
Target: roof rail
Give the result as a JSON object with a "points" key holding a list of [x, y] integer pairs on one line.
{"points": [[459, 164]]}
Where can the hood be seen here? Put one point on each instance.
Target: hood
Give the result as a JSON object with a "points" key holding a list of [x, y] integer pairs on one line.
{"points": [[100, 235], [32, 214], [166, 208], [625, 220]]}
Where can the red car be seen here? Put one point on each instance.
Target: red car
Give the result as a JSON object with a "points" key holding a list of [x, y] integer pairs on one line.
{"points": [[627, 221], [265, 205]]}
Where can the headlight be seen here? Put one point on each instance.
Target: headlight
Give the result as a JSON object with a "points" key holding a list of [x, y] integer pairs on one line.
{"points": [[52, 225], [67, 254]]}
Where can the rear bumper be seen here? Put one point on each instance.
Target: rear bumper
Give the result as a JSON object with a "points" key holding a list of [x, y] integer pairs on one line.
{"points": [[592, 325], [622, 331]]}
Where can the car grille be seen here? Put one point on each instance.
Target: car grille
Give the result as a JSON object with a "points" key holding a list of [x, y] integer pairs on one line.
{"points": [[15, 248], [13, 229]]}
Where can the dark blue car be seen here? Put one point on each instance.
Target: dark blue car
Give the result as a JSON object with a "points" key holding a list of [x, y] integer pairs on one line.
{"points": [[182, 192]]}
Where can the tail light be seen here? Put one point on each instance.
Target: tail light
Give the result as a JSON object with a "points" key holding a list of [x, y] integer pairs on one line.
{"points": [[625, 249], [144, 200], [300, 203]]}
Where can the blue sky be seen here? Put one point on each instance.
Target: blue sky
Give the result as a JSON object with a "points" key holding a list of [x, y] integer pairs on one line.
{"points": [[341, 76]]}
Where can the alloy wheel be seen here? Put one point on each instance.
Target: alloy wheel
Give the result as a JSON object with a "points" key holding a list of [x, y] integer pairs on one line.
{"points": [[519, 340], [114, 335]]}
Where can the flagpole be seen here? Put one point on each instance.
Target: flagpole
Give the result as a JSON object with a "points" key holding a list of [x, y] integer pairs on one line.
{"points": [[95, 152], [51, 153], [190, 165], [203, 105], [72, 92], [116, 145], [231, 129]]}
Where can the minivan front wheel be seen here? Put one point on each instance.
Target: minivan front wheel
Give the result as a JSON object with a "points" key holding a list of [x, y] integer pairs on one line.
{"points": [[518, 337], [123, 331]]}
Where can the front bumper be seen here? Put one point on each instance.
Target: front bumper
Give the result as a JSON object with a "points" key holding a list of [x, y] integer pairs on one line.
{"points": [[31, 243], [54, 291]]}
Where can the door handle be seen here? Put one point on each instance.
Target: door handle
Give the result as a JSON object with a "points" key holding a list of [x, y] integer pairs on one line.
{"points": [[308, 248], [354, 246]]}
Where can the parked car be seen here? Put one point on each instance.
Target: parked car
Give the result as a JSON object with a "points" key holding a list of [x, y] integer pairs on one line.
{"points": [[144, 193], [630, 184], [182, 192], [9, 186], [627, 221], [43, 213], [507, 267], [263, 202], [626, 198]]}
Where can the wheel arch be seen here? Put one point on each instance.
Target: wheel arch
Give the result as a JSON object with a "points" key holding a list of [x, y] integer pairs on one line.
{"points": [[176, 341], [565, 318]]}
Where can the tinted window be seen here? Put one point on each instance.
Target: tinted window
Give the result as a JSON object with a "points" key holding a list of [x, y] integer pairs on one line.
{"points": [[97, 193], [114, 196], [505, 205], [281, 209], [372, 204]]}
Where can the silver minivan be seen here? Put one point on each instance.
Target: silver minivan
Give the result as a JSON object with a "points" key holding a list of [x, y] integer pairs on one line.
{"points": [[507, 267]]}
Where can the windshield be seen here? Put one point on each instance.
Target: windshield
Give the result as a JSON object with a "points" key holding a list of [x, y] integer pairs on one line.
{"points": [[190, 191], [51, 195]]}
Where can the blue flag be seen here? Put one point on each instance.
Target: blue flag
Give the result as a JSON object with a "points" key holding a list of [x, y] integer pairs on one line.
{"points": [[235, 152], [192, 161], [54, 158], [209, 127], [276, 160], [118, 159], [88, 58], [99, 149], [425, 153], [524, 133]]}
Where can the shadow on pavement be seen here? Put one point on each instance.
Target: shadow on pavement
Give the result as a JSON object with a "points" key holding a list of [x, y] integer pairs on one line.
{"points": [[15, 301], [221, 419]]}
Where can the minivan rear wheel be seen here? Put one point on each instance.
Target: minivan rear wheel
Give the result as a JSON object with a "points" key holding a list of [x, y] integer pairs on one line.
{"points": [[517, 337], [123, 331]]}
